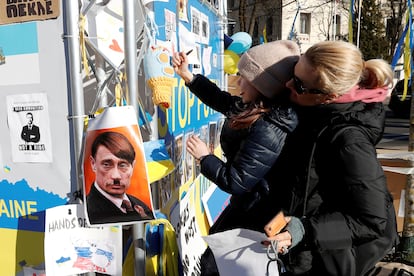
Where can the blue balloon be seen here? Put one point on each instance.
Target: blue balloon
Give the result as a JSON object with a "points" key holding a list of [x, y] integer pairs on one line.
{"points": [[242, 41]]}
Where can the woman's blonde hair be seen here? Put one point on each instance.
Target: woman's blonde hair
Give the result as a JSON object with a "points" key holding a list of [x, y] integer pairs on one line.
{"points": [[340, 66]]}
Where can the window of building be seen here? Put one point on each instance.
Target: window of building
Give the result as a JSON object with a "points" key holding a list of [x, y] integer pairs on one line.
{"points": [[256, 29], [231, 29], [337, 24], [391, 26], [305, 23], [269, 26]]}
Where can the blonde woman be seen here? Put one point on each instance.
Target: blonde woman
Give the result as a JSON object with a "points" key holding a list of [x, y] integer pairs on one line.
{"points": [[339, 189]]}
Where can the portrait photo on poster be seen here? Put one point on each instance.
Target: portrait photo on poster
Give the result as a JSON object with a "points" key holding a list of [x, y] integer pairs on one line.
{"points": [[30, 134], [115, 177]]}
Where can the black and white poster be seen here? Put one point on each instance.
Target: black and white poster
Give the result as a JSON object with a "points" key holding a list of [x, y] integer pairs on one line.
{"points": [[29, 128]]}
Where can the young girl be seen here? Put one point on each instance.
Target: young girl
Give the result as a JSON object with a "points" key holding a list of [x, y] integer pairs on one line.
{"points": [[256, 126]]}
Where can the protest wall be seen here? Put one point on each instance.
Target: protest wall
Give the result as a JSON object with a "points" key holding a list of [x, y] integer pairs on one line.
{"points": [[187, 198], [38, 173], [35, 169]]}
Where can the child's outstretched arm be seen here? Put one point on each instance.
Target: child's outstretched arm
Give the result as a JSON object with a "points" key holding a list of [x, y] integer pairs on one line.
{"points": [[180, 64]]}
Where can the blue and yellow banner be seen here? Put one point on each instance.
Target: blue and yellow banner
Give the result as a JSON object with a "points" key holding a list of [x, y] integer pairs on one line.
{"points": [[159, 163]]}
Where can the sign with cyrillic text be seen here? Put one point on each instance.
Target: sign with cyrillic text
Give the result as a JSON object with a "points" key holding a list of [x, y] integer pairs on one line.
{"points": [[17, 11]]}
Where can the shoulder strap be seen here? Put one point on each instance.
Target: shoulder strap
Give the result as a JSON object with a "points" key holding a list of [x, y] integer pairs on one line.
{"points": [[309, 189], [342, 129]]}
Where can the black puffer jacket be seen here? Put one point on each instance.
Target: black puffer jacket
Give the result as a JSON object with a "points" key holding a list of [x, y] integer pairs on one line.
{"points": [[339, 189], [250, 153]]}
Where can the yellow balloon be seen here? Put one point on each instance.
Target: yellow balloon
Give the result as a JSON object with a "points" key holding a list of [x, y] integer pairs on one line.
{"points": [[231, 59]]}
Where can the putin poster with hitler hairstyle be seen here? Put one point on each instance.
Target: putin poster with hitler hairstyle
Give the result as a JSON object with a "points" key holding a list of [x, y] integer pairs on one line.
{"points": [[116, 185]]}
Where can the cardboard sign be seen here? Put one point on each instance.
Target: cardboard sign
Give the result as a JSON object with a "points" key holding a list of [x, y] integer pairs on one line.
{"points": [[17, 11]]}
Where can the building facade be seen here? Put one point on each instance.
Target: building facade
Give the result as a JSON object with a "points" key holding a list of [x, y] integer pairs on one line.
{"points": [[306, 22]]}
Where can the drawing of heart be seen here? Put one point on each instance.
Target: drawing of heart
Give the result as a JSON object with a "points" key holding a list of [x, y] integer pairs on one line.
{"points": [[115, 46]]}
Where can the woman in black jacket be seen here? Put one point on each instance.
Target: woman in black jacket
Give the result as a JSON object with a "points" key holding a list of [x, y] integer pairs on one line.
{"points": [[257, 123], [256, 126], [338, 186]]}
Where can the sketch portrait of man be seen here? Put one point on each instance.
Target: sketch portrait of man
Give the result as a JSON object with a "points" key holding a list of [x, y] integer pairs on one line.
{"points": [[30, 132]]}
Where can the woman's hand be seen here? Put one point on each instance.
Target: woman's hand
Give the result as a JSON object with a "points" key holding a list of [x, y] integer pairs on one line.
{"points": [[180, 64], [196, 147], [284, 240]]}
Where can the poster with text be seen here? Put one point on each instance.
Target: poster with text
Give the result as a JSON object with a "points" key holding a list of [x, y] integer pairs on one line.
{"points": [[29, 128], [12, 11], [184, 218], [73, 247]]}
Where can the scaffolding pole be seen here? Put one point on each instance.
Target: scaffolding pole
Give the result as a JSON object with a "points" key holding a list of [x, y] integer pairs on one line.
{"points": [[77, 112], [131, 74]]}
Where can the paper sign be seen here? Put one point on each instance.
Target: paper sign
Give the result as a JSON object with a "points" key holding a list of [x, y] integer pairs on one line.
{"points": [[189, 240], [23, 11], [30, 135], [73, 247]]}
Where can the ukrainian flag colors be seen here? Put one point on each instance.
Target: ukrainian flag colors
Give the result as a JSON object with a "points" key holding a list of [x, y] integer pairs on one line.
{"points": [[404, 48], [159, 163]]}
